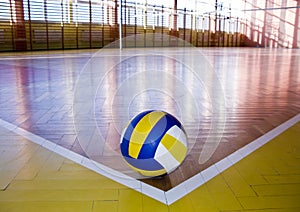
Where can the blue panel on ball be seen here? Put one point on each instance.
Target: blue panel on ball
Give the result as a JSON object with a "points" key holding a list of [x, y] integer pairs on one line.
{"points": [[156, 134], [173, 120], [126, 138], [149, 164]]}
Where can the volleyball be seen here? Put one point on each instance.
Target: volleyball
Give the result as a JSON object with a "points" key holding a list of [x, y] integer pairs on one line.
{"points": [[154, 143]]}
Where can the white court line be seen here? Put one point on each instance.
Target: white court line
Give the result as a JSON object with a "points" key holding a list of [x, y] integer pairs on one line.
{"points": [[44, 57], [88, 163], [173, 194], [87, 54]]}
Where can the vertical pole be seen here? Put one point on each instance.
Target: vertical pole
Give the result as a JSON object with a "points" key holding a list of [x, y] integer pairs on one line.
{"points": [[197, 32], [209, 30], [77, 34], [174, 31], [192, 28], [184, 23], [216, 13], [29, 22], [203, 31], [224, 29], [63, 28], [219, 32], [120, 24], [125, 18], [228, 34], [237, 31], [153, 28], [102, 37], [115, 23], [263, 41], [135, 23], [162, 25], [215, 35], [46, 21], [296, 27], [20, 42], [90, 23], [62, 24], [12, 26], [197, 37], [145, 22]]}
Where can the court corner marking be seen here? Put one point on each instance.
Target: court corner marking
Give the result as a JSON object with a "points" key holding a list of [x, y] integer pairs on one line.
{"points": [[165, 197]]}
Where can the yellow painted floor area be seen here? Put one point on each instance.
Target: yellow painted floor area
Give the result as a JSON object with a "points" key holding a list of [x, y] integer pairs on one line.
{"points": [[35, 179]]}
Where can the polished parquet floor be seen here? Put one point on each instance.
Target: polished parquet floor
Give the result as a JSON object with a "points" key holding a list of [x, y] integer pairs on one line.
{"points": [[268, 180], [225, 97]]}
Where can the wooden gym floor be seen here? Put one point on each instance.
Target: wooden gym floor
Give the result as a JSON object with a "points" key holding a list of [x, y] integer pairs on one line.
{"points": [[256, 89]]}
